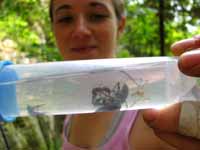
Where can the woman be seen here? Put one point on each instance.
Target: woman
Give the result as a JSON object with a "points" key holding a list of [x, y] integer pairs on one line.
{"points": [[89, 29]]}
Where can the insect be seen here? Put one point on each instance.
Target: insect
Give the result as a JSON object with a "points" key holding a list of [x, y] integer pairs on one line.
{"points": [[34, 110], [138, 91], [109, 99], [140, 88]]}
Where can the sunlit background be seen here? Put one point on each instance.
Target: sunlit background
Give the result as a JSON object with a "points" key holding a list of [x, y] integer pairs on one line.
{"points": [[26, 37]]}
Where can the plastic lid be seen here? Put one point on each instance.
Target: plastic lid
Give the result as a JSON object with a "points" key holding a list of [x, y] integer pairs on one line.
{"points": [[8, 103]]}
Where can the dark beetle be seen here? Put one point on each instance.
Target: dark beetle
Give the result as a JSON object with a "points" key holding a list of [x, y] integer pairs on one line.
{"points": [[110, 99]]}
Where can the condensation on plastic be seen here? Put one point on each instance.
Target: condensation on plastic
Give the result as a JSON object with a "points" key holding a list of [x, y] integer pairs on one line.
{"points": [[86, 86]]}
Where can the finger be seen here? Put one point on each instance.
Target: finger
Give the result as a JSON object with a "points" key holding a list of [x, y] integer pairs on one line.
{"points": [[189, 124], [189, 63], [179, 141], [182, 46], [165, 119]]}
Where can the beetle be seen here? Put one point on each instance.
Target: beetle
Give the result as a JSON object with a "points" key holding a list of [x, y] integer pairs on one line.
{"points": [[107, 99]]}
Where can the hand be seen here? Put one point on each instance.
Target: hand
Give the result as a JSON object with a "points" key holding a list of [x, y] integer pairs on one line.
{"points": [[189, 49], [7, 106], [166, 122]]}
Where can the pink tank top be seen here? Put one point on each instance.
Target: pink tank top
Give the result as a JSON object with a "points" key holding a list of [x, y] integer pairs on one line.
{"points": [[119, 139]]}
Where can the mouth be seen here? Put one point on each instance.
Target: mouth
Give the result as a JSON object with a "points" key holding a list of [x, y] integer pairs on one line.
{"points": [[84, 48]]}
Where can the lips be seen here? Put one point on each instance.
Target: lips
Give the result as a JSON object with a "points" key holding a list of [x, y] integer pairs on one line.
{"points": [[83, 48]]}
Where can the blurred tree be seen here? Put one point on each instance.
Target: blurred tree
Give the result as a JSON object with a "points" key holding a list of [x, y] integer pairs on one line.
{"points": [[26, 37], [27, 23], [141, 38]]}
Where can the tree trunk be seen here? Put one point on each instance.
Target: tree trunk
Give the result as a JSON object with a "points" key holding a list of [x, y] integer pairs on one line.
{"points": [[34, 133], [162, 31]]}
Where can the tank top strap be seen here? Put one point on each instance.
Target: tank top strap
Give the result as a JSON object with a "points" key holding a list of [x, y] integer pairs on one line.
{"points": [[118, 136], [120, 139]]}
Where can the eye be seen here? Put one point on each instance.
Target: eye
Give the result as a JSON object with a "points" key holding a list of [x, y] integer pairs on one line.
{"points": [[65, 19], [98, 17]]}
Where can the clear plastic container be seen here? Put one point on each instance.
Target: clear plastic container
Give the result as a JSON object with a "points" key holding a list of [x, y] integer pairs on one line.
{"points": [[86, 86]]}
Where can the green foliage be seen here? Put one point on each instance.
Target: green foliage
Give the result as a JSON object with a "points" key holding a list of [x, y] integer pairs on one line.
{"points": [[123, 53], [34, 133], [141, 37], [27, 23]]}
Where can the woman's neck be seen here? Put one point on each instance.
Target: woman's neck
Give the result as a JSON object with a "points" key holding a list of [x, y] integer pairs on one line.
{"points": [[88, 130]]}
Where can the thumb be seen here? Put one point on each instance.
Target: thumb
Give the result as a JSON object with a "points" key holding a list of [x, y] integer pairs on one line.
{"points": [[166, 119]]}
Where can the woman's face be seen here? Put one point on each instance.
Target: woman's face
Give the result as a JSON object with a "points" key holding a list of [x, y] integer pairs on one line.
{"points": [[86, 29]]}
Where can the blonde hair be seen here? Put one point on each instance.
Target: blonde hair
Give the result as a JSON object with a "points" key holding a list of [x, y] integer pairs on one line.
{"points": [[117, 4]]}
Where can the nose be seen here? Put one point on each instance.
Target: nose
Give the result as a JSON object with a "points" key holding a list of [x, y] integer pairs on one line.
{"points": [[81, 28]]}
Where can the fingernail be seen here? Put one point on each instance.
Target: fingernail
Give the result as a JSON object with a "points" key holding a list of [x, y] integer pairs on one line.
{"points": [[195, 71], [189, 59]]}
